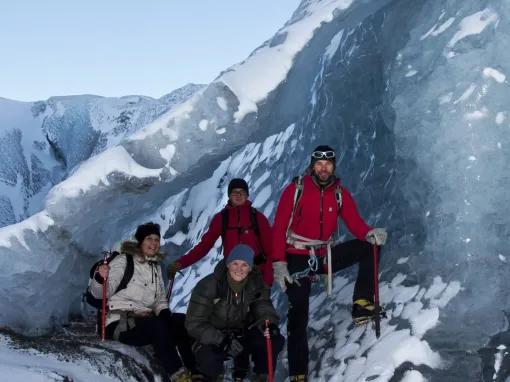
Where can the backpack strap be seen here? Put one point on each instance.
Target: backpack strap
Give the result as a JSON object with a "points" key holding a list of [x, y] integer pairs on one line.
{"points": [[298, 180], [254, 221], [128, 272], [224, 222], [338, 196]]}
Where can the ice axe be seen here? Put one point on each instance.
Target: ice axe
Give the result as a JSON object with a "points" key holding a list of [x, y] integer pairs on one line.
{"points": [[269, 348], [170, 287], [103, 302], [377, 317]]}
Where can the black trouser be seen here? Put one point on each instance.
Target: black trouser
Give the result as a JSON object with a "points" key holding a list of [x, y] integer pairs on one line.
{"points": [[210, 358], [166, 334], [342, 256]]}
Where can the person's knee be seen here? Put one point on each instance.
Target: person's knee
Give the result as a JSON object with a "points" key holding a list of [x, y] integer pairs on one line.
{"points": [[277, 343], [209, 360], [365, 246], [298, 313], [161, 333]]}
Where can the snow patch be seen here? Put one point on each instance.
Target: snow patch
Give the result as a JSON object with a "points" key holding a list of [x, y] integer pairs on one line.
{"points": [[494, 74], [96, 171], [500, 117], [202, 125], [474, 24], [435, 30], [413, 376], [222, 103], [333, 45], [252, 80]]}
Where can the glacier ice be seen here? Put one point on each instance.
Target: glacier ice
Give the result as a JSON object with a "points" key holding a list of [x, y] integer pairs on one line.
{"points": [[414, 95], [42, 142]]}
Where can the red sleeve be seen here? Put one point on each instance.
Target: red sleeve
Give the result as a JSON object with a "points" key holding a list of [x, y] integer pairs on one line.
{"points": [[350, 216], [266, 240], [281, 221], [206, 243]]}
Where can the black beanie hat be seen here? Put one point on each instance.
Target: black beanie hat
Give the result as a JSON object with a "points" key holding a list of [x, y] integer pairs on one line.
{"points": [[145, 230], [238, 183], [323, 148]]}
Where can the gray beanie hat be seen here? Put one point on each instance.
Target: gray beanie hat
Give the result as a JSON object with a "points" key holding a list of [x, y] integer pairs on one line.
{"points": [[241, 252]]}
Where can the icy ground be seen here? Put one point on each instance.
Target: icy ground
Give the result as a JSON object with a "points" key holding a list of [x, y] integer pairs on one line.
{"points": [[340, 350]]}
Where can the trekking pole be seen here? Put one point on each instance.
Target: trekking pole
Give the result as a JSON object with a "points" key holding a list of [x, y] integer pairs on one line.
{"points": [[170, 287], [103, 302], [377, 318], [330, 272], [269, 347]]}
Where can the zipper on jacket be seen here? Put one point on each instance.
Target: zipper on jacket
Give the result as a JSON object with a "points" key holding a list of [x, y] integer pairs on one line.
{"points": [[322, 201], [238, 224]]}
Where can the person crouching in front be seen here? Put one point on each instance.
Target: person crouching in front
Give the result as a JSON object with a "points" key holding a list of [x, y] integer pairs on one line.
{"points": [[227, 317]]}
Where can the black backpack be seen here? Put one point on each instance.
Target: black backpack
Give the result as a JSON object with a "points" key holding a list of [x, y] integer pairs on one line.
{"points": [[260, 257], [128, 274]]}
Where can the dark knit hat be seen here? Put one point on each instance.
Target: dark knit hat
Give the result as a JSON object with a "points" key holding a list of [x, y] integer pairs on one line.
{"points": [[323, 152], [145, 230], [238, 183], [241, 252]]}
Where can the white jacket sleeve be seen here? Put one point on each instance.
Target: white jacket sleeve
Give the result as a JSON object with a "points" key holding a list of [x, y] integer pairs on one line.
{"points": [[115, 274]]}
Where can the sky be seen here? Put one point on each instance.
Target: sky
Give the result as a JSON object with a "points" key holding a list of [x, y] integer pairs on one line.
{"points": [[124, 47]]}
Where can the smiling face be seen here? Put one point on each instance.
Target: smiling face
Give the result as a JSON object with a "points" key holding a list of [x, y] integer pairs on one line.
{"points": [[237, 197], [323, 169], [150, 245], [238, 270]]}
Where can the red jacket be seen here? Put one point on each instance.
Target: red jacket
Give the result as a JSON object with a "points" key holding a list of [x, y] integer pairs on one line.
{"points": [[237, 217], [307, 219]]}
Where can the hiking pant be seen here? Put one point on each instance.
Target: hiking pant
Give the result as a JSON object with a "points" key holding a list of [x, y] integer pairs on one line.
{"points": [[210, 358], [166, 333], [343, 256]]}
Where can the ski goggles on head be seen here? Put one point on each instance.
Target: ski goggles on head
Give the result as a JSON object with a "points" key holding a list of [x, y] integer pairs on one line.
{"points": [[323, 154]]}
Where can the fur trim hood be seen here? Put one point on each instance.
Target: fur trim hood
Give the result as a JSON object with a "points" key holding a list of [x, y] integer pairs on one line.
{"points": [[131, 248]]}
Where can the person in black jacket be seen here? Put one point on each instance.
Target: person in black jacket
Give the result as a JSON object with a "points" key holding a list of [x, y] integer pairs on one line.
{"points": [[227, 316]]}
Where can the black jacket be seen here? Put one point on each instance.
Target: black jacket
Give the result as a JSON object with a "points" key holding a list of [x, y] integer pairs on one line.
{"points": [[214, 309]]}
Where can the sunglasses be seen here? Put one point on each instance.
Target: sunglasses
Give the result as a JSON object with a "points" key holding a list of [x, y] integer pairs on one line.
{"points": [[238, 192], [323, 154]]}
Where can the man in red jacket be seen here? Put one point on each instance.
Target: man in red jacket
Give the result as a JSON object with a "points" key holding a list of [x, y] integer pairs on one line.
{"points": [[304, 224], [237, 223]]}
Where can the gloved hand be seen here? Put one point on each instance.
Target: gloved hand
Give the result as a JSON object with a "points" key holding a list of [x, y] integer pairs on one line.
{"points": [[281, 274], [272, 328], [231, 346], [173, 269], [377, 236]]}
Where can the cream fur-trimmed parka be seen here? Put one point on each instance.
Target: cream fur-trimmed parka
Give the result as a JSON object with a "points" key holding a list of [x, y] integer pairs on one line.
{"points": [[144, 292]]}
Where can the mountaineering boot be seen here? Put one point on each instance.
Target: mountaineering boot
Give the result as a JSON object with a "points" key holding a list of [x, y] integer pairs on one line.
{"points": [[181, 375], [298, 378], [362, 311], [198, 377]]}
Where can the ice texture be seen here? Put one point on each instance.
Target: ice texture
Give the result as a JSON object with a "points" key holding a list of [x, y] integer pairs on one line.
{"points": [[42, 142], [414, 97]]}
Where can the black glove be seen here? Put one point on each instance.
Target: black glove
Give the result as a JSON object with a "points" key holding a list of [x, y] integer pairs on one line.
{"points": [[166, 315], [274, 331], [231, 346]]}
